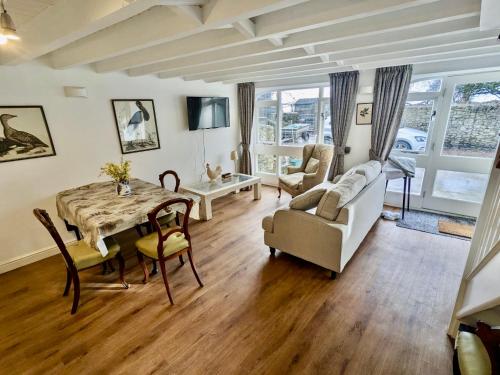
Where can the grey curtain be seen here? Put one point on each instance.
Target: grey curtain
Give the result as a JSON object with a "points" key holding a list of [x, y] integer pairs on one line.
{"points": [[246, 104], [343, 90], [389, 98]]}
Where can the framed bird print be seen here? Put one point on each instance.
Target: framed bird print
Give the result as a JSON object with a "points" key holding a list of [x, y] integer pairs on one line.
{"points": [[136, 124], [24, 133]]}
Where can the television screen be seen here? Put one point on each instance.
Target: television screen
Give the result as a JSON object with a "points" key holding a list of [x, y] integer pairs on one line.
{"points": [[207, 113]]}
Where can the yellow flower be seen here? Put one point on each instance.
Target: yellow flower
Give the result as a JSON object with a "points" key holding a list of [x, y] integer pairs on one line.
{"points": [[118, 172]]}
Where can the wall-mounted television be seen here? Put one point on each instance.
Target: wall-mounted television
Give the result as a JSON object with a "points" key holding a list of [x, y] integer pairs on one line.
{"points": [[207, 112]]}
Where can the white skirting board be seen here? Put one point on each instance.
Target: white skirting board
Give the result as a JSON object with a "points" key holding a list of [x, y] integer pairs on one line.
{"points": [[35, 256]]}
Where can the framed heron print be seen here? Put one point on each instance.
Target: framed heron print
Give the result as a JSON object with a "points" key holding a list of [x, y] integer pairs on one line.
{"points": [[24, 133], [136, 124]]}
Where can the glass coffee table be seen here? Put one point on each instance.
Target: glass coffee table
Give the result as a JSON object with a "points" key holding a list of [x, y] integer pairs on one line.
{"points": [[208, 191]]}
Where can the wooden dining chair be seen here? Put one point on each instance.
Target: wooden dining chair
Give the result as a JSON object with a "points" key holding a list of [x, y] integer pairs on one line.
{"points": [[167, 242], [80, 256]]}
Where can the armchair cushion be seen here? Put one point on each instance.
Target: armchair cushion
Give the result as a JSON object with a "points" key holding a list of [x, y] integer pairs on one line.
{"points": [[307, 200], [292, 181], [370, 170], [339, 195], [84, 256], [472, 355], [148, 244], [312, 166]]}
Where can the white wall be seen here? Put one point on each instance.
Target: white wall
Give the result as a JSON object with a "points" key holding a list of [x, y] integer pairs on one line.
{"points": [[85, 137], [360, 135]]}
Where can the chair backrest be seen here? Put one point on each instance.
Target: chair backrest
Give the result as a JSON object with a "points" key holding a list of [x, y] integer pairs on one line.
{"points": [[153, 219], [44, 218], [173, 173]]}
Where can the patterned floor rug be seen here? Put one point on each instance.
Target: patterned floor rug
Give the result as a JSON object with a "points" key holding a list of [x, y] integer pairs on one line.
{"points": [[429, 222]]}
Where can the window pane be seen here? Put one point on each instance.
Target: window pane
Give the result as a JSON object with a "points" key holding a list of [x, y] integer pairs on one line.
{"points": [[286, 161], [474, 121], [326, 92], [266, 163], [268, 95], [428, 85], [397, 185], [266, 130], [299, 116], [462, 186], [327, 126], [414, 127]]}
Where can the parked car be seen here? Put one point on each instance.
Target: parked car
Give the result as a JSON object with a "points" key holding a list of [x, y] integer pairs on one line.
{"points": [[407, 139]]}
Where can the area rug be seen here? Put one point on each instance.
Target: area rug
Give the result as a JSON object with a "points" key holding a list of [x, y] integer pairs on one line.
{"points": [[429, 222], [457, 229]]}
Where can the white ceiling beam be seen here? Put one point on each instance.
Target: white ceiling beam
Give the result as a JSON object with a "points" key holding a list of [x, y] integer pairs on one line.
{"points": [[67, 21], [415, 38], [193, 11], [482, 46], [310, 50], [276, 41], [463, 14], [158, 25], [220, 66], [325, 57], [216, 76], [246, 27]]}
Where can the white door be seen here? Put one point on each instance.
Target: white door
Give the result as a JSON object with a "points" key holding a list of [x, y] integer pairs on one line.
{"points": [[463, 145]]}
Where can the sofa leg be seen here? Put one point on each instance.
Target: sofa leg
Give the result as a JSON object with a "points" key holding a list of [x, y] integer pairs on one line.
{"points": [[272, 250], [279, 192], [333, 275]]}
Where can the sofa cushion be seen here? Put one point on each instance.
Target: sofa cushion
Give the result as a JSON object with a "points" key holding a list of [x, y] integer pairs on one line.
{"points": [[267, 223], [370, 170], [312, 165], [339, 195], [292, 180], [307, 200]]}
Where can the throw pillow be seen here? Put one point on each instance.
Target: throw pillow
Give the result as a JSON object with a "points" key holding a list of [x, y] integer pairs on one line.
{"points": [[370, 170], [338, 196], [312, 165], [307, 200]]}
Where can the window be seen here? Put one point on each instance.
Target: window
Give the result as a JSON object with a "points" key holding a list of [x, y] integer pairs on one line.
{"points": [[299, 110], [266, 130], [474, 121], [288, 161], [266, 163], [427, 85], [415, 124]]}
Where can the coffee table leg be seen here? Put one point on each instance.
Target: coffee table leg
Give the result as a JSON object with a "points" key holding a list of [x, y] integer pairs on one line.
{"points": [[205, 208], [257, 191]]}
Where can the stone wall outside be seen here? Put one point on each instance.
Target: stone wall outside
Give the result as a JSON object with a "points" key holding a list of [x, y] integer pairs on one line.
{"points": [[471, 126]]}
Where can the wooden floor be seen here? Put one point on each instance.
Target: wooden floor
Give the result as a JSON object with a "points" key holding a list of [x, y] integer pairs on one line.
{"points": [[387, 313]]}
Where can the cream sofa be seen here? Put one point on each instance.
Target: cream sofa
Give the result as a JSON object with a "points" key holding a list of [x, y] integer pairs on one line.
{"points": [[329, 243]]}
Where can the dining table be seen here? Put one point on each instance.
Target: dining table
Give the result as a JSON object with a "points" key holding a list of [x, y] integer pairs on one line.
{"points": [[96, 211]]}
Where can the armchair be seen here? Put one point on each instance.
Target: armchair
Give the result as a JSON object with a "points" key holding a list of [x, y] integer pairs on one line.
{"points": [[308, 175]]}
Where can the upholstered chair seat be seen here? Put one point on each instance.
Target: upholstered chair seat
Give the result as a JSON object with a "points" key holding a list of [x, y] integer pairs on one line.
{"points": [[84, 256], [316, 160], [148, 245]]}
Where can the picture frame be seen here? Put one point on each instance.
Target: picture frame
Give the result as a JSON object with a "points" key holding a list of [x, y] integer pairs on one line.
{"points": [[24, 133], [136, 125], [364, 113]]}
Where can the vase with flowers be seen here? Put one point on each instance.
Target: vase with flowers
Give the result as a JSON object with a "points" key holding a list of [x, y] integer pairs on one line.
{"points": [[120, 173]]}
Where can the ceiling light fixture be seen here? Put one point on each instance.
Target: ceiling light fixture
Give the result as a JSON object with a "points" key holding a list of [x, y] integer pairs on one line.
{"points": [[7, 26]]}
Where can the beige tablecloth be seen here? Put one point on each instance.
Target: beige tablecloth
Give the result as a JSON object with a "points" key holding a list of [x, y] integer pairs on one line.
{"points": [[99, 212]]}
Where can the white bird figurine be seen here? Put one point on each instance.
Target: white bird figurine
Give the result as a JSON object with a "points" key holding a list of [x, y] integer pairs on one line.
{"points": [[213, 174]]}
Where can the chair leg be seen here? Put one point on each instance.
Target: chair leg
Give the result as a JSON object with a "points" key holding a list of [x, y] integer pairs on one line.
{"points": [[139, 231], [110, 264], [190, 256], [333, 275], [140, 258], [154, 268], [164, 274], [272, 250], [279, 192], [68, 283], [121, 267], [76, 292], [181, 259], [104, 267]]}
